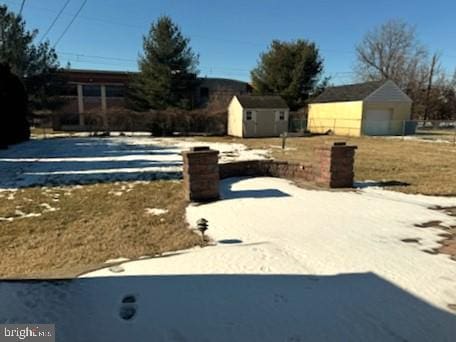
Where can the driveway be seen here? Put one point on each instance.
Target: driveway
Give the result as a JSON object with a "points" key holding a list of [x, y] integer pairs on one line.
{"points": [[328, 265]]}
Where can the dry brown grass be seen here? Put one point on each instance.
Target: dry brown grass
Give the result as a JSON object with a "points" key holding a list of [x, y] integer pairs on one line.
{"points": [[429, 168], [91, 225]]}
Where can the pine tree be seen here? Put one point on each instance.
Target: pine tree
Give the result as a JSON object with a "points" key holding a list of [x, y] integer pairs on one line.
{"points": [[167, 76], [35, 64], [290, 69]]}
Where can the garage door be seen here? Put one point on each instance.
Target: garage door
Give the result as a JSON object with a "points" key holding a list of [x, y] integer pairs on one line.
{"points": [[377, 122]]}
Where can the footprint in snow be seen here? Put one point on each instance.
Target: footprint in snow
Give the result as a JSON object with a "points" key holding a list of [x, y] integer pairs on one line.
{"points": [[279, 298], [128, 308]]}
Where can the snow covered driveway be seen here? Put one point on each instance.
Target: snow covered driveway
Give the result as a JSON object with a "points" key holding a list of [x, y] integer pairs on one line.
{"points": [[297, 265], [67, 161]]}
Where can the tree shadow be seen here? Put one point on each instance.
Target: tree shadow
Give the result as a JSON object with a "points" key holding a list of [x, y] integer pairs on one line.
{"points": [[345, 307], [71, 161]]}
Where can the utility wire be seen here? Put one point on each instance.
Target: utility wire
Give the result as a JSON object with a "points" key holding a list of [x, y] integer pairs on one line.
{"points": [[55, 20], [206, 69], [70, 23], [193, 36], [77, 55], [22, 7]]}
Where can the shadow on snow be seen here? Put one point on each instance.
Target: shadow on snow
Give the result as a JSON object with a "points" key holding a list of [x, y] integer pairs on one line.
{"points": [[227, 192], [71, 161], [346, 307]]}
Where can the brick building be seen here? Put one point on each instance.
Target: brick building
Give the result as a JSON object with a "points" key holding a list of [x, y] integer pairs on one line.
{"points": [[97, 91]]}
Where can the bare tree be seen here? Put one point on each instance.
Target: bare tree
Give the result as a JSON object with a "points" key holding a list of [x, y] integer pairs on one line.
{"points": [[392, 51], [432, 72]]}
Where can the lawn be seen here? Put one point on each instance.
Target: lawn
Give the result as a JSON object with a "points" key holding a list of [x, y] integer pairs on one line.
{"points": [[429, 168], [80, 201], [52, 227], [70, 230]]}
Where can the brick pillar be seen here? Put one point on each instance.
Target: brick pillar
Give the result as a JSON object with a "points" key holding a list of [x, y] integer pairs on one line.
{"points": [[201, 174], [334, 167]]}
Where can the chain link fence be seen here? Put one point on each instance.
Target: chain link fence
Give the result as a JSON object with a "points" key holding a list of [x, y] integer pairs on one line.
{"points": [[432, 130]]}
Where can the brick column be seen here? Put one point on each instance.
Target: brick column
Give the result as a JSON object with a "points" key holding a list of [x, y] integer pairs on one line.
{"points": [[334, 165], [201, 174]]}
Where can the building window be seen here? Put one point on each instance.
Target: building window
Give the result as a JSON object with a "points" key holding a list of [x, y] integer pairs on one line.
{"points": [[91, 90], [281, 115], [248, 115], [115, 91]]}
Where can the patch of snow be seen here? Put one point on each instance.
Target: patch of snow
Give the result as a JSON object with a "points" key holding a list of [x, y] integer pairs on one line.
{"points": [[8, 190], [286, 148], [428, 139], [110, 261], [19, 214], [285, 230], [48, 208], [79, 160], [156, 211], [7, 219]]}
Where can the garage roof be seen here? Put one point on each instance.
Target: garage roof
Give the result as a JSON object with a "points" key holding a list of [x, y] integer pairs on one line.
{"points": [[256, 101], [351, 92]]}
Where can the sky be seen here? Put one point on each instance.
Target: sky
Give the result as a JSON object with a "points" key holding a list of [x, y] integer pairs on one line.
{"points": [[229, 36]]}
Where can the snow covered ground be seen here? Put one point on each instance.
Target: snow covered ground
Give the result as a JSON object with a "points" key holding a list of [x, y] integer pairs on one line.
{"points": [[294, 265], [288, 264], [82, 160]]}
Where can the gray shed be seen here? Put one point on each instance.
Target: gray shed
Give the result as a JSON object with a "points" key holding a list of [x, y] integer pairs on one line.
{"points": [[257, 116]]}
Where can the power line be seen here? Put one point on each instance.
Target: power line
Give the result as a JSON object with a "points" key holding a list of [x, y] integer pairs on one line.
{"points": [[206, 69], [71, 22], [98, 57], [194, 36], [22, 7], [77, 55], [55, 20]]}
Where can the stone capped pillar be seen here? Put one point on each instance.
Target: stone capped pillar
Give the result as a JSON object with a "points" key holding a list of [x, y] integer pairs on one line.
{"points": [[335, 165], [201, 174]]}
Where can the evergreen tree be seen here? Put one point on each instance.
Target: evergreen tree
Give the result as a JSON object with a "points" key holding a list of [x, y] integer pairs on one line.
{"points": [[290, 69], [35, 64], [167, 76]]}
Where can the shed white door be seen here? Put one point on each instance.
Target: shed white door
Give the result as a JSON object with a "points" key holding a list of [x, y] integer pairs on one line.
{"points": [[377, 122]]}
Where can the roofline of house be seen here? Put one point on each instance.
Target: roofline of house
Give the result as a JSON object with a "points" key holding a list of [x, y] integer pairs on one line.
{"points": [[119, 72], [359, 83], [381, 83]]}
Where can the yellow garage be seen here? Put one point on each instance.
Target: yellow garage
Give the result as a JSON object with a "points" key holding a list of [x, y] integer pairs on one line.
{"points": [[372, 108]]}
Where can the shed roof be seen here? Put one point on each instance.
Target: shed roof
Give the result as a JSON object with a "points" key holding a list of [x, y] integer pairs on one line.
{"points": [[350, 92], [256, 101]]}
